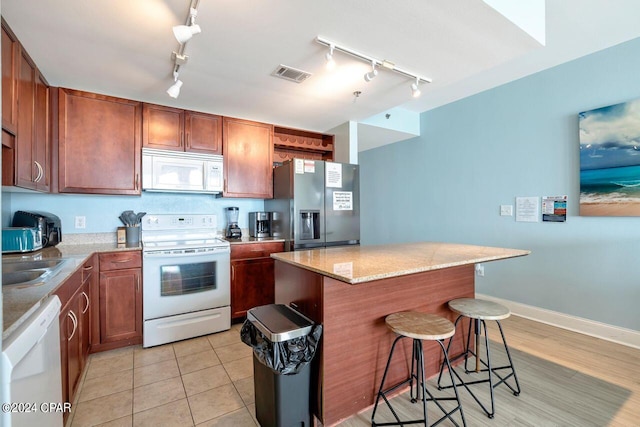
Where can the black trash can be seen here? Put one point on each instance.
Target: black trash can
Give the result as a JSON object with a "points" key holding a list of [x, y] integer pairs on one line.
{"points": [[284, 343]]}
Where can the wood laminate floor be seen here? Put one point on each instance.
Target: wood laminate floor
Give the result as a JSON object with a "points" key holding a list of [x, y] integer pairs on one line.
{"points": [[567, 379]]}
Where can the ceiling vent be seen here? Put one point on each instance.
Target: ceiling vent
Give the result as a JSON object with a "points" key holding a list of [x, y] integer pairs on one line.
{"points": [[290, 73]]}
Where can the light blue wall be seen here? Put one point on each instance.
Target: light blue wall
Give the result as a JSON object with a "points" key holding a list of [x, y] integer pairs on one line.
{"points": [[102, 212], [520, 139]]}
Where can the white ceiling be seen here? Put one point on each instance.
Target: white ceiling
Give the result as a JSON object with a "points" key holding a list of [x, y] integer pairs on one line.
{"points": [[123, 48]]}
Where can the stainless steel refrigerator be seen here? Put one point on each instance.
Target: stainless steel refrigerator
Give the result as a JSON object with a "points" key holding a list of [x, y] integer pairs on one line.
{"points": [[315, 204]]}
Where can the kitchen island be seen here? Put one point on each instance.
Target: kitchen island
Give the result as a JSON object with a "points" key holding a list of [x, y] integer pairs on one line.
{"points": [[350, 290]]}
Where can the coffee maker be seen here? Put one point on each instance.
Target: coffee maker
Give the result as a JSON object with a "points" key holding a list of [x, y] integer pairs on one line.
{"points": [[233, 231], [259, 224]]}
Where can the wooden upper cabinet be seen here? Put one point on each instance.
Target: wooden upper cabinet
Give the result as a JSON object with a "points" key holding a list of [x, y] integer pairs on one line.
{"points": [[163, 127], [168, 128], [26, 171], [99, 143], [42, 134], [203, 133], [248, 157], [10, 54]]}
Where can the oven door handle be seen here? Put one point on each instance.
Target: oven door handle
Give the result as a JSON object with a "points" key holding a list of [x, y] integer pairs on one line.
{"points": [[184, 254]]}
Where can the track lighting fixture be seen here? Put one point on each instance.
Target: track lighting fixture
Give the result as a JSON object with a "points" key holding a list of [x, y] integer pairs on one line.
{"points": [[371, 74], [174, 90], [415, 91], [329, 58], [183, 34]]}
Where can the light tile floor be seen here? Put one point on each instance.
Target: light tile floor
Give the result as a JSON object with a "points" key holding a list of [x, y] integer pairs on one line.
{"points": [[205, 381]]}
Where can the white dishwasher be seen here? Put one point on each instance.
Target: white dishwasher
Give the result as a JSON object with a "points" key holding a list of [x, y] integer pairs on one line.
{"points": [[31, 378]]}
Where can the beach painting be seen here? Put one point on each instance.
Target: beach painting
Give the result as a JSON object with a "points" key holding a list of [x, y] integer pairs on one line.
{"points": [[610, 160]]}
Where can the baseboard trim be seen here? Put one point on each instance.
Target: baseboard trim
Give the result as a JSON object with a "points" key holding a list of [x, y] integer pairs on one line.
{"points": [[581, 325]]}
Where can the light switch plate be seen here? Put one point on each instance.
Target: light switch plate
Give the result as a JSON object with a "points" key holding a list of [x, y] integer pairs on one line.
{"points": [[506, 210]]}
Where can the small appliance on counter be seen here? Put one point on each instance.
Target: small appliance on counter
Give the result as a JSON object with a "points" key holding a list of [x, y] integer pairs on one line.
{"points": [[21, 239], [46, 223], [233, 231], [260, 224]]}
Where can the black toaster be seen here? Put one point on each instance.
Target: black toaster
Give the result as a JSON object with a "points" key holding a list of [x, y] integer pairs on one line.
{"points": [[47, 223]]}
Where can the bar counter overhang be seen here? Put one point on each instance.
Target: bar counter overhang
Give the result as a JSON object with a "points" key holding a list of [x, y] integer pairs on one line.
{"points": [[350, 290]]}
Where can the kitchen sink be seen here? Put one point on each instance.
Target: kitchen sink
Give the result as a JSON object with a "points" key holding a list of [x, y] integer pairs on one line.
{"points": [[12, 266], [29, 272], [21, 277]]}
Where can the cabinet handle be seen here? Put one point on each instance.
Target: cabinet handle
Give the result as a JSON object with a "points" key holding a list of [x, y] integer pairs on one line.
{"points": [[233, 273], [138, 284], [187, 142], [74, 319], [90, 267], [86, 297], [121, 261], [40, 172], [137, 179]]}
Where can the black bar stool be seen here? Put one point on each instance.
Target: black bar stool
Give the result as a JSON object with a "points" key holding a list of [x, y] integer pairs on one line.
{"points": [[479, 311], [418, 326]]}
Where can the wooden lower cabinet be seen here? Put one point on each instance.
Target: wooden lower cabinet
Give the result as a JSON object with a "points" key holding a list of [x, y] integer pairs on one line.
{"points": [[72, 358], [120, 300], [252, 276]]}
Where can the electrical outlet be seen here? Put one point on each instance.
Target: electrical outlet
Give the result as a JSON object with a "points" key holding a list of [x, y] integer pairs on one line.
{"points": [[480, 270], [81, 222], [506, 210]]}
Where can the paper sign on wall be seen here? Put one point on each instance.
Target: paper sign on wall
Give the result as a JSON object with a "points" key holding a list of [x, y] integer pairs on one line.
{"points": [[342, 201], [554, 208], [527, 209], [298, 165], [334, 175]]}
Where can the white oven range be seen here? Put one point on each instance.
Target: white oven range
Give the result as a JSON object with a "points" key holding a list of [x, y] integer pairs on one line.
{"points": [[186, 287]]}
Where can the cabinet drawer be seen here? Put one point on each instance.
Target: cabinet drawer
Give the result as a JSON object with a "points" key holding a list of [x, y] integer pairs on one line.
{"points": [[120, 260], [255, 250]]}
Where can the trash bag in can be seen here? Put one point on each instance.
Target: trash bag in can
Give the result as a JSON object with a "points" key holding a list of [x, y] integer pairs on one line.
{"points": [[282, 339]]}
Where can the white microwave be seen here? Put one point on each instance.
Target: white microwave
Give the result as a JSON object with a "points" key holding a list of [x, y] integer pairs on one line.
{"points": [[177, 172]]}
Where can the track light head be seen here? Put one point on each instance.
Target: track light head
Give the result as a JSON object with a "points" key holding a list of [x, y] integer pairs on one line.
{"points": [[174, 90], [415, 91], [371, 74], [184, 32], [329, 58]]}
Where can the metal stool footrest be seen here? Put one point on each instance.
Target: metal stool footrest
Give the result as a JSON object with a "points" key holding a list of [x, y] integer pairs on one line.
{"points": [[491, 371], [417, 375]]}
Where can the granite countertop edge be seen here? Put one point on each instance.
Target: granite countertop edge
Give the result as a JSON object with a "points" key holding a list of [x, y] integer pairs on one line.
{"points": [[396, 272], [20, 304]]}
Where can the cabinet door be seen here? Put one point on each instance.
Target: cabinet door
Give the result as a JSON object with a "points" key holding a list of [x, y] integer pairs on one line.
{"points": [[84, 321], [41, 143], [99, 143], [248, 157], [10, 52], [25, 168], [252, 284], [74, 357], [162, 127], [203, 133], [120, 305]]}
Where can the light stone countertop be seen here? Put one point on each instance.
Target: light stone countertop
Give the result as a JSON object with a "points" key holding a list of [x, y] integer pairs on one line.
{"points": [[246, 239], [18, 304], [360, 264]]}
